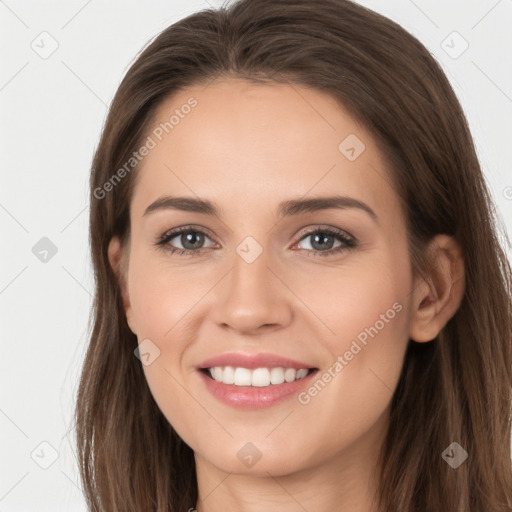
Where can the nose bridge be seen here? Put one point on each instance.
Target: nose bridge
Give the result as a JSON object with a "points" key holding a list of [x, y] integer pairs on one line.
{"points": [[252, 295], [251, 266]]}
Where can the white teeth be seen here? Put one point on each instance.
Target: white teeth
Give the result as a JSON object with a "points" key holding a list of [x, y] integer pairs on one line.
{"points": [[289, 374], [228, 376], [259, 377], [301, 374], [242, 377], [217, 373], [276, 376]]}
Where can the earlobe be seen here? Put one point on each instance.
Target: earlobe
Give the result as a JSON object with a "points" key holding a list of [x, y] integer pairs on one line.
{"points": [[117, 262], [437, 298]]}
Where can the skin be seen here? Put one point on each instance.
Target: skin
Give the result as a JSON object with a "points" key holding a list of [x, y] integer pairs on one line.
{"points": [[248, 147]]}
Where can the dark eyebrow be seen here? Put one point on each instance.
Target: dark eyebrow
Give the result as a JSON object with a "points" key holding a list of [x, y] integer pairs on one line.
{"points": [[286, 208]]}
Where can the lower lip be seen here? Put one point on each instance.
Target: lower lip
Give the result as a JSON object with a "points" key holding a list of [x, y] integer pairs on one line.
{"points": [[253, 397]]}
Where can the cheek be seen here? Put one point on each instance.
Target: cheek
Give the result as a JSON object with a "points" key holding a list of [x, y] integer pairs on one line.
{"points": [[353, 392], [370, 307], [163, 301], [159, 297], [160, 301], [366, 311]]}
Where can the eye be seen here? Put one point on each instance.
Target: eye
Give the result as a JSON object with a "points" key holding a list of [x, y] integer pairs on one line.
{"points": [[323, 239], [192, 240]]}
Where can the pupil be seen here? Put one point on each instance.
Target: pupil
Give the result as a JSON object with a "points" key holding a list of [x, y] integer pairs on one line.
{"points": [[322, 238], [190, 238]]}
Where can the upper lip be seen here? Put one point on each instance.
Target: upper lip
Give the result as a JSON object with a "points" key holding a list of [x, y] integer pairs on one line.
{"points": [[252, 361]]}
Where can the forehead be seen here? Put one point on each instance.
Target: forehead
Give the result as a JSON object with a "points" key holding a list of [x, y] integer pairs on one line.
{"points": [[248, 145]]}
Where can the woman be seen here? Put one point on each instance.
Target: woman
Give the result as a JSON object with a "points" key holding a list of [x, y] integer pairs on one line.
{"points": [[301, 300]]}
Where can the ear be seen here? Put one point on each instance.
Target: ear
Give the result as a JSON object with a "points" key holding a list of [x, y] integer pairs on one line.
{"points": [[119, 263], [436, 299]]}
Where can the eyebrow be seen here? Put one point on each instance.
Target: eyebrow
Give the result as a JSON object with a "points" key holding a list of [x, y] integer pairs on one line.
{"points": [[287, 208]]}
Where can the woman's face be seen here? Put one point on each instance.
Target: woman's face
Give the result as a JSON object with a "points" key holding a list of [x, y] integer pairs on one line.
{"points": [[266, 280]]}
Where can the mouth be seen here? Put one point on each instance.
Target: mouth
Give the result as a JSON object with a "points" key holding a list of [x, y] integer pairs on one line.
{"points": [[257, 377], [253, 381], [255, 388]]}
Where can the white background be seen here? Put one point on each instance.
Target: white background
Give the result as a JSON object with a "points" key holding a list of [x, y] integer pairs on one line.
{"points": [[52, 111]]}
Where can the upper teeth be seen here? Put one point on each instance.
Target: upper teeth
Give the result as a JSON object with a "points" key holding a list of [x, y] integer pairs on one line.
{"points": [[259, 377]]}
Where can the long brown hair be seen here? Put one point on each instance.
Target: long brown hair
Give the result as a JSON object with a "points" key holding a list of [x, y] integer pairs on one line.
{"points": [[456, 388]]}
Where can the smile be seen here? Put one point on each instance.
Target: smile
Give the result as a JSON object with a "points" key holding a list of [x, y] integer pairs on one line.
{"points": [[259, 377], [255, 389]]}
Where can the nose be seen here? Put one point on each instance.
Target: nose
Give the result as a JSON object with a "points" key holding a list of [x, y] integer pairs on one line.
{"points": [[253, 297]]}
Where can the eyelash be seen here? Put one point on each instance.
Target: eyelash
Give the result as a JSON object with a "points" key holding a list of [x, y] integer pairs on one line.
{"points": [[349, 241]]}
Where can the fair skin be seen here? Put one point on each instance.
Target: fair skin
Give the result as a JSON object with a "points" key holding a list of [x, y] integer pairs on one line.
{"points": [[247, 147]]}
